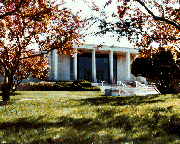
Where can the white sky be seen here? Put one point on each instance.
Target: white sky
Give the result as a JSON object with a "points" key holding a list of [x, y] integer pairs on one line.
{"points": [[78, 5]]}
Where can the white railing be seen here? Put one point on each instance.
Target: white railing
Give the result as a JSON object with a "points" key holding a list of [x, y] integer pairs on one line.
{"points": [[102, 82], [156, 89], [138, 84], [120, 83], [143, 86]]}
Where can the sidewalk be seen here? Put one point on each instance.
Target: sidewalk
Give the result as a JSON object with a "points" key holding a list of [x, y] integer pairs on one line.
{"points": [[129, 90]]}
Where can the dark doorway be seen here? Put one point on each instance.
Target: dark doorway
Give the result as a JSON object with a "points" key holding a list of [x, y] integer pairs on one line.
{"points": [[85, 67], [102, 68]]}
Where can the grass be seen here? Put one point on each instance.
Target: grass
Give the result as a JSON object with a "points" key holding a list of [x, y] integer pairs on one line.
{"points": [[89, 117]]}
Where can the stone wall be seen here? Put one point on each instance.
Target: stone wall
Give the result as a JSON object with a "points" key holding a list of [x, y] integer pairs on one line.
{"points": [[121, 68], [63, 67]]}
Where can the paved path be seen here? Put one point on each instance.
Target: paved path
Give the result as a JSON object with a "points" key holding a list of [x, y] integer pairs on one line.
{"points": [[131, 90]]}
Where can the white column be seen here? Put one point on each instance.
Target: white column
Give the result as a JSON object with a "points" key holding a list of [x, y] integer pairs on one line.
{"points": [[54, 64], [135, 78], [128, 71], [94, 65], [111, 65], [50, 65], [75, 65]]}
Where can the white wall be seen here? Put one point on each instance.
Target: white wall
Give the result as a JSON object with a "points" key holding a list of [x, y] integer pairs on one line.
{"points": [[63, 67], [121, 68], [122, 71], [31, 79]]}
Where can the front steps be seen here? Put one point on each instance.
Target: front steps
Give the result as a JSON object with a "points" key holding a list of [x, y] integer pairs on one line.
{"points": [[130, 91]]}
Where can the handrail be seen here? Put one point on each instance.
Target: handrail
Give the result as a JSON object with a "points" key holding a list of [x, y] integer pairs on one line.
{"points": [[141, 85], [156, 89], [120, 83], [102, 82]]}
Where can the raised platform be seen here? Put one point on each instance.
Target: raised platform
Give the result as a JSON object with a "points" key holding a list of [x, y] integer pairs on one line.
{"points": [[129, 90]]}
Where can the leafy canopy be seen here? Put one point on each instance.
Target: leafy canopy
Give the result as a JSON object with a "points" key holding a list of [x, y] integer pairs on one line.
{"points": [[144, 22], [24, 23]]}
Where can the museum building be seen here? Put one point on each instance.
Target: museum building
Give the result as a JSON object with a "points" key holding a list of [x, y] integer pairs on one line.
{"points": [[95, 64]]}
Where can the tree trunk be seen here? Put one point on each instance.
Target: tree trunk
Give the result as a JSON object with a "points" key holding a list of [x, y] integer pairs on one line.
{"points": [[6, 88], [5, 93], [169, 86], [175, 84]]}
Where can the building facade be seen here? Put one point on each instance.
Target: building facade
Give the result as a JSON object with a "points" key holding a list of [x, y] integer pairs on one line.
{"points": [[108, 64]]}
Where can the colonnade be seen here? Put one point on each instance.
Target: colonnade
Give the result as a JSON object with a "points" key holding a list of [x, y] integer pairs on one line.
{"points": [[94, 80], [53, 63]]}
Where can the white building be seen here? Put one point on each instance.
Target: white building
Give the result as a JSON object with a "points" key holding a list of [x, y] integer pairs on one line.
{"points": [[109, 64]]}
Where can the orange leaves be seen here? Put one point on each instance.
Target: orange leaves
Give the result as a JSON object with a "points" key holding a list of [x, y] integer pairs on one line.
{"points": [[121, 11], [35, 22], [95, 7]]}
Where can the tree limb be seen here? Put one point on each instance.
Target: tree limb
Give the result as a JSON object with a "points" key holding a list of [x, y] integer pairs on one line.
{"points": [[173, 39], [157, 17], [13, 11], [40, 54]]}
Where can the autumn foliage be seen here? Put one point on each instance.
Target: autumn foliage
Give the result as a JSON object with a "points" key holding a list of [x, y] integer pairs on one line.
{"points": [[159, 68], [149, 25], [144, 22], [24, 23]]}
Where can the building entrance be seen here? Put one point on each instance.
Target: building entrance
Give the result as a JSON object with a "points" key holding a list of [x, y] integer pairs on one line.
{"points": [[102, 68], [85, 67]]}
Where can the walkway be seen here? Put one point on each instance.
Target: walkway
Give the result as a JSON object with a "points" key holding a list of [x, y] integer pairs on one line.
{"points": [[130, 90]]}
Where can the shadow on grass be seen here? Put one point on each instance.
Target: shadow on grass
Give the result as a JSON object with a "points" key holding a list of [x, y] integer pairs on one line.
{"points": [[120, 101], [85, 130], [3, 103], [13, 94], [29, 123]]}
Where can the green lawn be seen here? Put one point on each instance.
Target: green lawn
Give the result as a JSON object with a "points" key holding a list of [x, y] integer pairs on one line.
{"points": [[89, 117]]}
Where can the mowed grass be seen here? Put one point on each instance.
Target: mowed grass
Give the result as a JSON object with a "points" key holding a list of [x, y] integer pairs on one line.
{"points": [[89, 117]]}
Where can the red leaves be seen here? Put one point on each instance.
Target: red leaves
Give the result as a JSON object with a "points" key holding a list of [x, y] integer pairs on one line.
{"points": [[121, 11], [34, 20]]}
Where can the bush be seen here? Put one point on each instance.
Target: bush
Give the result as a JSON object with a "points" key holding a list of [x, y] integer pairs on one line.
{"points": [[81, 83], [41, 86], [62, 85], [78, 85], [95, 88]]}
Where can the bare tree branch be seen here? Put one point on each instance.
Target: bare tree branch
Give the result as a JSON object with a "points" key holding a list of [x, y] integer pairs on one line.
{"points": [[157, 17], [13, 11], [47, 51], [173, 39]]}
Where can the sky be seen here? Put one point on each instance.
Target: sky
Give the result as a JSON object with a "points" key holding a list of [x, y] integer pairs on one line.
{"points": [[86, 12], [78, 5]]}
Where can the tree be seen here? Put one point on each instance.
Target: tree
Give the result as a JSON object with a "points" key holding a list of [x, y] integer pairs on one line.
{"points": [[146, 22], [143, 22], [160, 68], [25, 22]]}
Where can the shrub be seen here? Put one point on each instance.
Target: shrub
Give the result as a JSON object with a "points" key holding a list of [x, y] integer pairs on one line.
{"points": [[41, 86], [81, 83], [95, 88], [78, 85], [62, 85], [86, 84]]}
